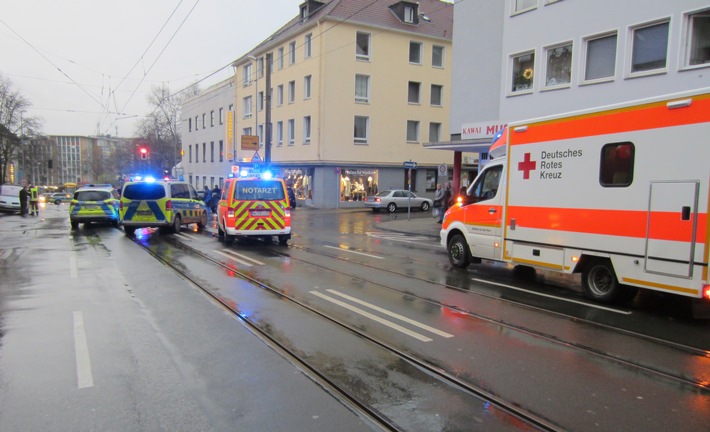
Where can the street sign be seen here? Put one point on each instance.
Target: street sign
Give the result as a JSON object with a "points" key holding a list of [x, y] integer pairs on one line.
{"points": [[410, 165], [250, 142], [256, 157]]}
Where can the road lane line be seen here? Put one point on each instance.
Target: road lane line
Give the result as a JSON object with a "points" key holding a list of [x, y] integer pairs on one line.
{"points": [[73, 270], [592, 305], [355, 252], [392, 314], [245, 257], [81, 347], [366, 314]]}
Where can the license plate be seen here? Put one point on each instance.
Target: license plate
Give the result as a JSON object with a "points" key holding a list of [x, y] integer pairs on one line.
{"points": [[260, 213], [144, 212]]}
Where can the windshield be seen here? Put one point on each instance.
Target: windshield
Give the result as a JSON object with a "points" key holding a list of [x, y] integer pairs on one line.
{"points": [[144, 191]]}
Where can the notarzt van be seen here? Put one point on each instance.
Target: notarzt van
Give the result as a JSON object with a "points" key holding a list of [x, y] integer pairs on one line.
{"points": [[254, 207], [163, 204]]}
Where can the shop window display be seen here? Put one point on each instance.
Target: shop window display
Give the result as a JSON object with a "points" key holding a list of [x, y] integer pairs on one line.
{"points": [[301, 181], [357, 183]]}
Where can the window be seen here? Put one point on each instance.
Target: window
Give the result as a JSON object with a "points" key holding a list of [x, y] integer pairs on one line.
{"points": [[280, 58], [260, 67], [221, 151], [436, 95], [523, 72], [291, 91], [362, 88], [523, 5], [189, 124], [559, 65], [650, 47], [280, 95], [413, 92], [291, 131], [246, 74], [204, 152], [307, 87], [260, 101], [292, 53], [246, 106], [307, 129], [617, 165], [307, 45], [221, 115], [415, 52], [437, 56], [197, 153], [600, 58], [361, 129], [212, 118], [190, 149], [212, 151], [362, 46], [412, 131], [260, 134], [280, 133], [204, 120], [247, 131], [408, 14], [196, 128], [698, 43], [434, 131]]}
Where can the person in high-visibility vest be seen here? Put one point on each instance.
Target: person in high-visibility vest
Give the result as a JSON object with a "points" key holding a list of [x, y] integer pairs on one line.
{"points": [[34, 198]]}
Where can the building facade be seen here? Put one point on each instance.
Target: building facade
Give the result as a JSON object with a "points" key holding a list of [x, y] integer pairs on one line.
{"points": [[355, 88]]}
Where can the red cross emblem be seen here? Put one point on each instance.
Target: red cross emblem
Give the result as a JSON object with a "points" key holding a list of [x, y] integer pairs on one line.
{"points": [[526, 166]]}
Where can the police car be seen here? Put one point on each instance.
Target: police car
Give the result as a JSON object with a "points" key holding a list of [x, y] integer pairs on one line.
{"points": [[166, 205], [94, 203]]}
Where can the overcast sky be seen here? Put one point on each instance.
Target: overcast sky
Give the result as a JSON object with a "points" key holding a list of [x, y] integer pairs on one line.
{"points": [[72, 58]]}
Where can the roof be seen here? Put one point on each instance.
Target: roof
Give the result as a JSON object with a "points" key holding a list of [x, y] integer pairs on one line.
{"points": [[438, 23]]}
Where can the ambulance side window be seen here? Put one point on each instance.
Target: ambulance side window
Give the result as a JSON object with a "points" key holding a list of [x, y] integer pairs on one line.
{"points": [[486, 186], [617, 164]]}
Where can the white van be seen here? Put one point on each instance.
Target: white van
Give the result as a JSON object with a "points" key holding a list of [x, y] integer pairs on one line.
{"points": [[10, 198]]}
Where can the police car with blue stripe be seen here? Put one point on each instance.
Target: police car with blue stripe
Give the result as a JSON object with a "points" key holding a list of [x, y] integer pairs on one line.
{"points": [[94, 203], [166, 205]]}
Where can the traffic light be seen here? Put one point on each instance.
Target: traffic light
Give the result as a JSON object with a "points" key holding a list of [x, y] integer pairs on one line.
{"points": [[144, 153]]}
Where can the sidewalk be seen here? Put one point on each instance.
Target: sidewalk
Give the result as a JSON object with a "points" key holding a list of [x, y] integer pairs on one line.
{"points": [[418, 224]]}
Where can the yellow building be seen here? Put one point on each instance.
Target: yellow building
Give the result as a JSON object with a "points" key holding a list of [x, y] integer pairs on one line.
{"points": [[356, 87]]}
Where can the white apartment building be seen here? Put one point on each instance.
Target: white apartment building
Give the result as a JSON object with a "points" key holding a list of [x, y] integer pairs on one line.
{"points": [[356, 88], [522, 59]]}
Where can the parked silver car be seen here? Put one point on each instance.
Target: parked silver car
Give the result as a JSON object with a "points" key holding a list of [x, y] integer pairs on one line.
{"points": [[396, 199]]}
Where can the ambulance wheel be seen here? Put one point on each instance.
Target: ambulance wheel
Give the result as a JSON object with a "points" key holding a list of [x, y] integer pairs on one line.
{"points": [[228, 239], [391, 207], [459, 254], [203, 221], [74, 225], [220, 233], [114, 224], [129, 230], [425, 206], [177, 224], [600, 282], [283, 240]]}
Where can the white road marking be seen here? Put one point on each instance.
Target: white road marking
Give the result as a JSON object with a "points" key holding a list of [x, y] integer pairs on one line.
{"points": [[373, 317], [5, 254], [238, 257], [73, 268], [404, 238], [183, 236], [392, 314], [355, 252], [81, 347], [592, 305]]}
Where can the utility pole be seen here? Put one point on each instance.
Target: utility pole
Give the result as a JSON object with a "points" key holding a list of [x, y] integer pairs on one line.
{"points": [[267, 121]]}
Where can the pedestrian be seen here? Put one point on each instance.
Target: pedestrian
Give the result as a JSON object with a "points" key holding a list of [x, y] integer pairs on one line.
{"points": [[448, 196], [207, 197], [216, 194], [34, 199], [24, 195], [439, 202]]}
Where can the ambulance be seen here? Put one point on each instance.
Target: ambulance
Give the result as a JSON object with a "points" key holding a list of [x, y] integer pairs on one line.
{"points": [[254, 205], [619, 194]]}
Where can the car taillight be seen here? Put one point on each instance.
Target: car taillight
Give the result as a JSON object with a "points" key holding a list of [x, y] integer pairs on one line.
{"points": [[230, 213], [287, 213], [378, 200], [168, 205], [706, 292]]}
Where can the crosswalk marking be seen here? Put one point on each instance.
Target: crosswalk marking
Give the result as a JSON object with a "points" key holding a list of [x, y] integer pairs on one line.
{"points": [[243, 259], [406, 238]]}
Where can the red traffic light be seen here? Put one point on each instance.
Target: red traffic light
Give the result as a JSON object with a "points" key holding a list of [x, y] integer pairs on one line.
{"points": [[144, 153], [144, 150]]}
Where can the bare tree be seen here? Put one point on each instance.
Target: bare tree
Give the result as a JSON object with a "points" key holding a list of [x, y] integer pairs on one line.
{"points": [[15, 126], [162, 126]]}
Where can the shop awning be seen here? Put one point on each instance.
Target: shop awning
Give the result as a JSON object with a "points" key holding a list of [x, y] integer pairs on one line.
{"points": [[464, 146]]}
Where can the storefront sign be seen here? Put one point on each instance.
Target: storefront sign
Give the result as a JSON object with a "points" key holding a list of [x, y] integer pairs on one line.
{"points": [[480, 130]]}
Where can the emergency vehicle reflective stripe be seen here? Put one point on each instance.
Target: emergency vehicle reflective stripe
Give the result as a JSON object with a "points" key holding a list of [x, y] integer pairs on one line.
{"points": [[154, 207], [105, 207], [625, 223], [243, 219], [643, 117]]}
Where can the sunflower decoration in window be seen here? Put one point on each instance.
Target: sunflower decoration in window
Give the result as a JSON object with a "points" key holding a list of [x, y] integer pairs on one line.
{"points": [[523, 72]]}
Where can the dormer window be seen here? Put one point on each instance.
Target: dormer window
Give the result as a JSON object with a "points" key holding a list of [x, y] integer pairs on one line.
{"points": [[408, 14], [308, 8]]}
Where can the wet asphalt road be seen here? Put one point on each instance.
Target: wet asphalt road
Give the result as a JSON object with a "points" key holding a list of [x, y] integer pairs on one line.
{"points": [[164, 357]]}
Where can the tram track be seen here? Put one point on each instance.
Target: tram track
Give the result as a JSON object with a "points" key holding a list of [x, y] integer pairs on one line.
{"points": [[521, 416]]}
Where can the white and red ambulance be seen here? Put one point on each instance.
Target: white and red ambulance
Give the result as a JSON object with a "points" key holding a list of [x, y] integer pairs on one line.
{"points": [[620, 194]]}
